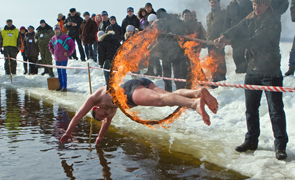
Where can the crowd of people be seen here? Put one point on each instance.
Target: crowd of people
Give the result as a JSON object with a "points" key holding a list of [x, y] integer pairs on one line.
{"points": [[252, 28]]}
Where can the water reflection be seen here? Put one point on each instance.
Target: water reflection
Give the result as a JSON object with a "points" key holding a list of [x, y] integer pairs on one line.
{"points": [[106, 173], [68, 169]]}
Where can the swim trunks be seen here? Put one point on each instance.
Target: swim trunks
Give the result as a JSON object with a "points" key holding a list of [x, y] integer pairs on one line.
{"points": [[131, 85]]}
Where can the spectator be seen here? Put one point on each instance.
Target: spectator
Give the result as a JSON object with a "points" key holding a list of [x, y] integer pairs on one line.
{"points": [[10, 39], [215, 25], [151, 19], [98, 20], [93, 17], [130, 19], [31, 50], [105, 21], [73, 23], [194, 15], [61, 46], [292, 53], [87, 34], [149, 9], [23, 31], [108, 46], [142, 13], [130, 31], [263, 50], [279, 6], [115, 27], [236, 12], [60, 21], [42, 38]]}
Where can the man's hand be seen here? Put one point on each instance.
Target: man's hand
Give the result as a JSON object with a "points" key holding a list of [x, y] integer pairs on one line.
{"points": [[222, 41], [19, 48], [66, 137], [98, 139], [74, 24], [68, 23], [65, 53]]}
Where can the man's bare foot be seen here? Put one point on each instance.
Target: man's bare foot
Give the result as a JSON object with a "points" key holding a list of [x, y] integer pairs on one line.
{"points": [[209, 100], [199, 106]]}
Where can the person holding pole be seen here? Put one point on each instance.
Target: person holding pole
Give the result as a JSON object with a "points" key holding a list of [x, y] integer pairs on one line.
{"points": [[61, 46], [11, 41]]}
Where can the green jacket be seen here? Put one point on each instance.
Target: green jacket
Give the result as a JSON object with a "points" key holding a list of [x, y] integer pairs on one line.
{"points": [[215, 24], [44, 35], [292, 9], [261, 38]]}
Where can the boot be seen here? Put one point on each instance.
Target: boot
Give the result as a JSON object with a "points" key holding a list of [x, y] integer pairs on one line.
{"points": [[290, 71], [45, 72], [245, 147], [281, 154]]}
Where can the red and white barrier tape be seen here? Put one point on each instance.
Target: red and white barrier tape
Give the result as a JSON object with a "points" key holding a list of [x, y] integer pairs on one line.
{"points": [[240, 86]]}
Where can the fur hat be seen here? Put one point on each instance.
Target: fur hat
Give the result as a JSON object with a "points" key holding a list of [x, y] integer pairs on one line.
{"points": [[152, 17], [130, 28], [265, 2]]}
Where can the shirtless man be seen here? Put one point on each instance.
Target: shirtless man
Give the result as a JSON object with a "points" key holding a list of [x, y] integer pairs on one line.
{"points": [[141, 92]]}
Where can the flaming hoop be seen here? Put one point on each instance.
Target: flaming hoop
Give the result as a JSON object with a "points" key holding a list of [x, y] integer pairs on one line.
{"points": [[133, 54]]}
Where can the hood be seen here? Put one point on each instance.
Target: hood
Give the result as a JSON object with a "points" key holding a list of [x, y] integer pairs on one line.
{"points": [[47, 27], [9, 28], [268, 14], [106, 36], [63, 18]]}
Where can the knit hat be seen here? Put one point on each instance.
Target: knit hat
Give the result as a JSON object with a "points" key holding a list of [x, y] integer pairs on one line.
{"points": [[86, 13], [93, 15], [130, 9], [130, 28], [56, 27], [152, 17], [31, 27], [60, 15], [113, 17], [22, 28], [42, 21], [100, 33], [9, 20], [265, 2], [72, 10], [149, 5], [104, 13]]}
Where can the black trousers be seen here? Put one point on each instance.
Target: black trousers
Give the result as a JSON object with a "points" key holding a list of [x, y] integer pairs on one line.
{"points": [[25, 64], [12, 53], [33, 69], [275, 106], [81, 50]]}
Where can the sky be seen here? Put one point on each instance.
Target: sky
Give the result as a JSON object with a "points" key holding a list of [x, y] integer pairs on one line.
{"points": [[30, 12]]}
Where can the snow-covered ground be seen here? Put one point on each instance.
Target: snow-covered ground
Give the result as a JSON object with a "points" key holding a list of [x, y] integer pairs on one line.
{"points": [[189, 134]]}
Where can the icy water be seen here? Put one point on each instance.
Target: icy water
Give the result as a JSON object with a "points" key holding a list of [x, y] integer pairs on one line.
{"points": [[29, 148]]}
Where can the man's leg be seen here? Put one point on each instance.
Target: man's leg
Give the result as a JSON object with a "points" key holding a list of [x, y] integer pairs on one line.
{"points": [[74, 55], [167, 73], [107, 65], [82, 54], [95, 51]]}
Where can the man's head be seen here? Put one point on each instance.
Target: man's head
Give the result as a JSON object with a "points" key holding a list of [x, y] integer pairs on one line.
{"points": [[186, 15], [60, 16], [9, 22], [194, 14], [86, 16], [31, 29], [93, 17], [130, 11], [214, 4], [57, 30], [162, 13], [72, 11], [99, 114], [148, 7], [22, 30], [113, 20], [105, 16], [260, 6], [42, 23]]}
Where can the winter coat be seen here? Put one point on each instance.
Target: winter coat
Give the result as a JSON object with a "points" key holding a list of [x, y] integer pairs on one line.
{"points": [[88, 31], [30, 47], [194, 27], [215, 24], [117, 29], [22, 37], [142, 23], [61, 24], [7, 30], [43, 35], [58, 45], [279, 6], [292, 9], [73, 31], [108, 46], [237, 12], [103, 25], [133, 20], [261, 38], [126, 35]]}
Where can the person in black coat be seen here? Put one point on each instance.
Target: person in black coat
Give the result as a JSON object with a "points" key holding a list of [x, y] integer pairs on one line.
{"points": [[73, 23], [31, 50], [149, 9], [130, 19], [108, 46], [116, 28]]}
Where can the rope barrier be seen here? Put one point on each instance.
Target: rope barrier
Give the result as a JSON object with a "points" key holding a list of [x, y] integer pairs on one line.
{"points": [[239, 86]]}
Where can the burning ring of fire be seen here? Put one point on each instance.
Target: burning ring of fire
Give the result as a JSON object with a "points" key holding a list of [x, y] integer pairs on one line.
{"points": [[133, 53]]}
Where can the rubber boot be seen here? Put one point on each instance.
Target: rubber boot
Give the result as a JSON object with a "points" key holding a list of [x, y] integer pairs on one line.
{"points": [[290, 71]]}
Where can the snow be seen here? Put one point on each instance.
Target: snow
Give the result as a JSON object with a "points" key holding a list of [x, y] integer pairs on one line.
{"points": [[188, 134]]}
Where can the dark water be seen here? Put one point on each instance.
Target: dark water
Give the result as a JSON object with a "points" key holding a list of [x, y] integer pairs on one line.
{"points": [[29, 148]]}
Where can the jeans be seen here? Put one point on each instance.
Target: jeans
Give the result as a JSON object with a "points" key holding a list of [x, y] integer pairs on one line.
{"points": [[89, 51], [275, 106], [95, 51], [107, 65], [62, 73]]}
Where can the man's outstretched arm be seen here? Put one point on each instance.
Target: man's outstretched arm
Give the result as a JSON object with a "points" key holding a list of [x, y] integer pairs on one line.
{"points": [[103, 130]]}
